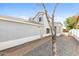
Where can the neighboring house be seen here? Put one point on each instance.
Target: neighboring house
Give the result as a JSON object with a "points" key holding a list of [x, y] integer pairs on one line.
{"points": [[59, 28], [41, 18], [15, 31]]}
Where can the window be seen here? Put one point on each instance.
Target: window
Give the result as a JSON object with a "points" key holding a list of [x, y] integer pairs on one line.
{"points": [[40, 19], [47, 30]]}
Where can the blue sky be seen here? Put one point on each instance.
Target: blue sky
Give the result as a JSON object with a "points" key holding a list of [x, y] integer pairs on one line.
{"points": [[26, 10]]}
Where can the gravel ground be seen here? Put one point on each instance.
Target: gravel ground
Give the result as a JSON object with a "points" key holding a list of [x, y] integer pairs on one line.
{"points": [[66, 46], [43, 50]]}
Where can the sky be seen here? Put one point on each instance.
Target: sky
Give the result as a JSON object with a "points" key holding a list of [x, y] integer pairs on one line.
{"points": [[26, 10]]}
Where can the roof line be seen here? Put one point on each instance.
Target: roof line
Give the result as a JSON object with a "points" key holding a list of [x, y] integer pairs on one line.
{"points": [[20, 20], [42, 13]]}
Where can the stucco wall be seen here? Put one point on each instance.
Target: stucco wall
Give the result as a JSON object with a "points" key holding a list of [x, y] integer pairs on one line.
{"points": [[59, 28], [13, 30]]}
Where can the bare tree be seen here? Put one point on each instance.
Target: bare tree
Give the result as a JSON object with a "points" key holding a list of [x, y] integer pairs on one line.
{"points": [[52, 28], [46, 13]]}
